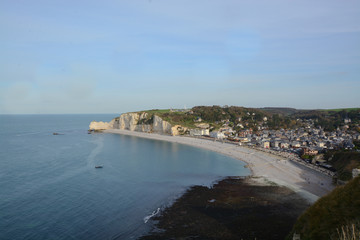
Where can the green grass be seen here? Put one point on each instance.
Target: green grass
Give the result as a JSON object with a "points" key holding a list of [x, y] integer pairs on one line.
{"points": [[174, 118], [156, 111]]}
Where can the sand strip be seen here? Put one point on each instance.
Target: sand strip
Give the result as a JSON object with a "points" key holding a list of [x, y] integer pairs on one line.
{"points": [[307, 182]]}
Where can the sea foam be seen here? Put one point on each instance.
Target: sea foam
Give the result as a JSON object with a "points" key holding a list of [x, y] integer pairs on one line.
{"points": [[154, 213]]}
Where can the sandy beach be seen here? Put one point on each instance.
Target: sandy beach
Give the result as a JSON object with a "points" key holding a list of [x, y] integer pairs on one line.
{"points": [[309, 183]]}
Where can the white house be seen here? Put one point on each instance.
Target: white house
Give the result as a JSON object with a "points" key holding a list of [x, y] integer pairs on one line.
{"points": [[284, 145], [347, 120], [355, 172], [199, 132], [217, 135]]}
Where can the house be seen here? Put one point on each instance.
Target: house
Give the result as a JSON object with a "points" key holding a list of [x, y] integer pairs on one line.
{"points": [[244, 139], [284, 145], [240, 125], [347, 120], [275, 143], [347, 144], [295, 144], [266, 144], [355, 172], [310, 151], [199, 132], [198, 119], [217, 135]]}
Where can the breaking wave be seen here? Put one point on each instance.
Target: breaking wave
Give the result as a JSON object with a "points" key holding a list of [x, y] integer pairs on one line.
{"points": [[154, 213]]}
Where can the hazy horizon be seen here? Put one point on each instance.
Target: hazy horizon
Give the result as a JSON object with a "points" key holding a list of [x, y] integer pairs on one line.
{"points": [[66, 57], [139, 110]]}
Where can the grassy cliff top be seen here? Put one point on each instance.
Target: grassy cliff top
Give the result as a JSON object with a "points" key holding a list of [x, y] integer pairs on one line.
{"points": [[276, 117], [330, 213], [213, 115], [174, 117]]}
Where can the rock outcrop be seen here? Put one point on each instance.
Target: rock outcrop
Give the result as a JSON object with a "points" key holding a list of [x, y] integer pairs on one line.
{"points": [[178, 130], [140, 122], [101, 125]]}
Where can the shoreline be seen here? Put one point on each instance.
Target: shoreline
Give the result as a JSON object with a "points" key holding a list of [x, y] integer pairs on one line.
{"points": [[230, 209], [307, 182]]}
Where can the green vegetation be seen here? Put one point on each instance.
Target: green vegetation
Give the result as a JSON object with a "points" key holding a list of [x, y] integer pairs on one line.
{"points": [[330, 120], [281, 111], [277, 118], [174, 117], [344, 162], [157, 111], [340, 109], [357, 144], [232, 113], [179, 118], [308, 157], [148, 120], [329, 214]]}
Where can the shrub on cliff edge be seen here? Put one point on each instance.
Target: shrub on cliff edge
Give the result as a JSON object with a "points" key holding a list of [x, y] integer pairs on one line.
{"points": [[325, 218]]}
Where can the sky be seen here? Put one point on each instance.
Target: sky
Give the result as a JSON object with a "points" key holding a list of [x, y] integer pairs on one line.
{"points": [[116, 56]]}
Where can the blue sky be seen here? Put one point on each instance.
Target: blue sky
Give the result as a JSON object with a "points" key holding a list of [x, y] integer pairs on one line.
{"points": [[128, 55]]}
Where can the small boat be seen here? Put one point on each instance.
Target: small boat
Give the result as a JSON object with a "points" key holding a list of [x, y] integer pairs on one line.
{"points": [[99, 166]]}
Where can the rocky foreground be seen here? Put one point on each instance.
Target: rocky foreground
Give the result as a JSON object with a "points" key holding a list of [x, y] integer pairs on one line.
{"points": [[234, 208]]}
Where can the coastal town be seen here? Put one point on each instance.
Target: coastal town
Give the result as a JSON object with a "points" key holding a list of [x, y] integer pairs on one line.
{"points": [[306, 144], [324, 140], [309, 156]]}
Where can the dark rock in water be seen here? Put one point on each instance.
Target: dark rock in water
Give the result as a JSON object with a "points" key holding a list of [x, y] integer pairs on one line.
{"points": [[231, 209]]}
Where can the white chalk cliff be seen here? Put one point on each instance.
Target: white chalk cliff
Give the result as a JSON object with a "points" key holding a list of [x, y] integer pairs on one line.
{"points": [[140, 122], [101, 125]]}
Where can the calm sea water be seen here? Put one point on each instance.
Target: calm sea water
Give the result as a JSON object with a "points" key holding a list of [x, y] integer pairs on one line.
{"points": [[49, 188]]}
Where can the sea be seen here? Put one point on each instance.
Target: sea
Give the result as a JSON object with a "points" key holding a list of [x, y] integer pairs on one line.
{"points": [[50, 188]]}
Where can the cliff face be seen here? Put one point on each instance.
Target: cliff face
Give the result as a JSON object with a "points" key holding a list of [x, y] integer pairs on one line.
{"points": [[137, 122], [128, 121], [161, 126]]}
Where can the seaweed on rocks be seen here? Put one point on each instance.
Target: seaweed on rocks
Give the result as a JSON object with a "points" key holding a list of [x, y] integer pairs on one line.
{"points": [[234, 208]]}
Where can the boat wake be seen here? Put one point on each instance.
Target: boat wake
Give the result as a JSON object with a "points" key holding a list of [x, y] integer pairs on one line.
{"points": [[91, 159], [154, 213]]}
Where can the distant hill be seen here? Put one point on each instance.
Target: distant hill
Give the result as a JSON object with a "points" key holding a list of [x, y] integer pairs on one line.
{"points": [[323, 220], [276, 118], [279, 110], [340, 109]]}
